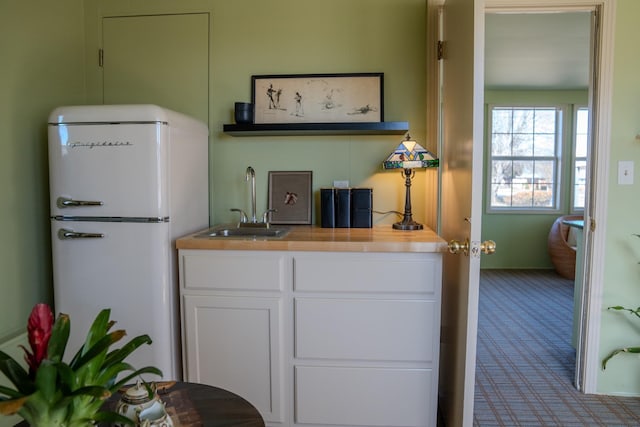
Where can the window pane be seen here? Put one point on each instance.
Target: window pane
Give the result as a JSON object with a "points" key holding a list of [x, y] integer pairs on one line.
{"points": [[521, 183], [544, 145], [581, 143], [523, 145], [501, 120], [523, 121], [500, 195], [582, 132], [545, 121], [522, 195], [522, 171], [582, 121], [581, 146], [501, 145], [501, 171], [579, 184], [543, 184]]}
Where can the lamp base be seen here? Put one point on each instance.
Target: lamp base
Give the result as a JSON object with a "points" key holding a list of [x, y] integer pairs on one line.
{"points": [[407, 225]]}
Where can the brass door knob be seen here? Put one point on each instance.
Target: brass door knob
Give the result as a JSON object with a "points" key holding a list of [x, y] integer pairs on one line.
{"points": [[488, 247], [455, 247]]}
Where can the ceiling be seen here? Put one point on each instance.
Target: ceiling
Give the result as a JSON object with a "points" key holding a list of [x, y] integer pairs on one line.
{"points": [[537, 51]]}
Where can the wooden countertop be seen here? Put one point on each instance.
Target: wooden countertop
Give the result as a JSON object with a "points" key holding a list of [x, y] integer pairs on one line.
{"points": [[382, 238]]}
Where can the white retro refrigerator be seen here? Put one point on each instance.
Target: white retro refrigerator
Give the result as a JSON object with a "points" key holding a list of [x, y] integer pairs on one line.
{"points": [[125, 182]]}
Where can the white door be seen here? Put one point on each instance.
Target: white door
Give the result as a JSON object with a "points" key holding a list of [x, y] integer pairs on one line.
{"points": [[461, 202], [158, 59]]}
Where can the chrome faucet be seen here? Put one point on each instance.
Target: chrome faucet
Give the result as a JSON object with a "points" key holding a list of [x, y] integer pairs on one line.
{"points": [[252, 220], [251, 175]]}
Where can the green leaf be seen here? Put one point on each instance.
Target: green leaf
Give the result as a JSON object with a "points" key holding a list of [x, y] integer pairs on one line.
{"points": [[109, 374], [16, 374], [59, 338], [95, 391], [120, 354], [9, 392], [67, 377], [98, 329], [46, 376], [618, 351], [101, 346], [145, 370]]}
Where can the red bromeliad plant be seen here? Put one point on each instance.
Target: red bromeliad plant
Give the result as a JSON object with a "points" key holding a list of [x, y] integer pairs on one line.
{"points": [[39, 331], [54, 393]]}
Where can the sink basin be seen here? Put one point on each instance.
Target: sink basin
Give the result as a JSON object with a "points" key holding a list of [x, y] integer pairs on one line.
{"points": [[245, 232]]}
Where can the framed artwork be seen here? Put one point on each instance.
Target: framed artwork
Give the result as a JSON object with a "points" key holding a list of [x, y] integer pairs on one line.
{"points": [[318, 98], [290, 195]]}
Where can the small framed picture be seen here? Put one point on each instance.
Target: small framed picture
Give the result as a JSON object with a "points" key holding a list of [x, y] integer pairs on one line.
{"points": [[290, 195]]}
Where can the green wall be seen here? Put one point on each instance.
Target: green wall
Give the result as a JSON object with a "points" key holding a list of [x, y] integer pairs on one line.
{"points": [[41, 66], [521, 239], [253, 37], [289, 36], [622, 272]]}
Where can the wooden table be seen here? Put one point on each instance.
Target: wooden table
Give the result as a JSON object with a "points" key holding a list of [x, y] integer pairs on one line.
{"points": [[192, 405]]}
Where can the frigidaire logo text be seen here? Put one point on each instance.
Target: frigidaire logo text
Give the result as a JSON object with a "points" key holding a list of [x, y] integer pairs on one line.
{"points": [[100, 144]]}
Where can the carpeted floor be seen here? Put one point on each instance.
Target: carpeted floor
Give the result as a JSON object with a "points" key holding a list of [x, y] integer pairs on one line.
{"points": [[525, 362]]}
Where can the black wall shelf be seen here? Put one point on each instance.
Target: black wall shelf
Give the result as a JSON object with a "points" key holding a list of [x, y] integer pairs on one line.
{"points": [[284, 129]]}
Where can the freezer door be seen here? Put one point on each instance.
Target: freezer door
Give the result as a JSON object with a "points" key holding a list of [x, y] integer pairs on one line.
{"points": [[109, 170], [128, 268]]}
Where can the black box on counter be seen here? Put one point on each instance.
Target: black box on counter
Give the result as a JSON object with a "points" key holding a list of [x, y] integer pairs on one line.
{"points": [[327, 208], [346, 207], [343, 208], [361, 207]]}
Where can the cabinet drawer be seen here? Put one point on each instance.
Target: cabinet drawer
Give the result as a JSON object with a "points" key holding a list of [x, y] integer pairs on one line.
{"points": [[366, 329], [233, 270], [364, 396], [367, 272]]}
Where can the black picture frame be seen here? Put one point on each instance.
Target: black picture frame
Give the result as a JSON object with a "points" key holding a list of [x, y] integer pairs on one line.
{"points": [[318, 98], [290, 195]]}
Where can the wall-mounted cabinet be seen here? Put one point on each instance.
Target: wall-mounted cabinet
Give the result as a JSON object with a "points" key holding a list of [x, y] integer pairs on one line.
{"points": [[284, 129]]}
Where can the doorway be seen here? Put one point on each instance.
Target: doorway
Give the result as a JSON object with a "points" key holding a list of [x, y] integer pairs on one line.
{"points": [[600, 55]]}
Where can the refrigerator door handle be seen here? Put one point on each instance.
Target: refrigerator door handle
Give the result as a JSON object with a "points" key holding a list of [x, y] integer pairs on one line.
{"points": [[65, 202], [66, 234]]}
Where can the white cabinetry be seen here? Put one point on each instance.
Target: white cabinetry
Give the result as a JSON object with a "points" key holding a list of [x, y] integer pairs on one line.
{"points": [[316, 338], [232, 318], [366, 338]]}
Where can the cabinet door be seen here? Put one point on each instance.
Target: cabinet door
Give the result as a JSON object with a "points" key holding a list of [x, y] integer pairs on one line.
{"points": [[235, 343]]}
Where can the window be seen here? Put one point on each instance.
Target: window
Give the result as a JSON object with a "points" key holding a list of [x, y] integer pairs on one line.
{"points": [[581, 142], [523, 158]]}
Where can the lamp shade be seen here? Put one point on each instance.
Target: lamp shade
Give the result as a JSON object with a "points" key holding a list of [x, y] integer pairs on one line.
{"points": [[410, 155]]}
